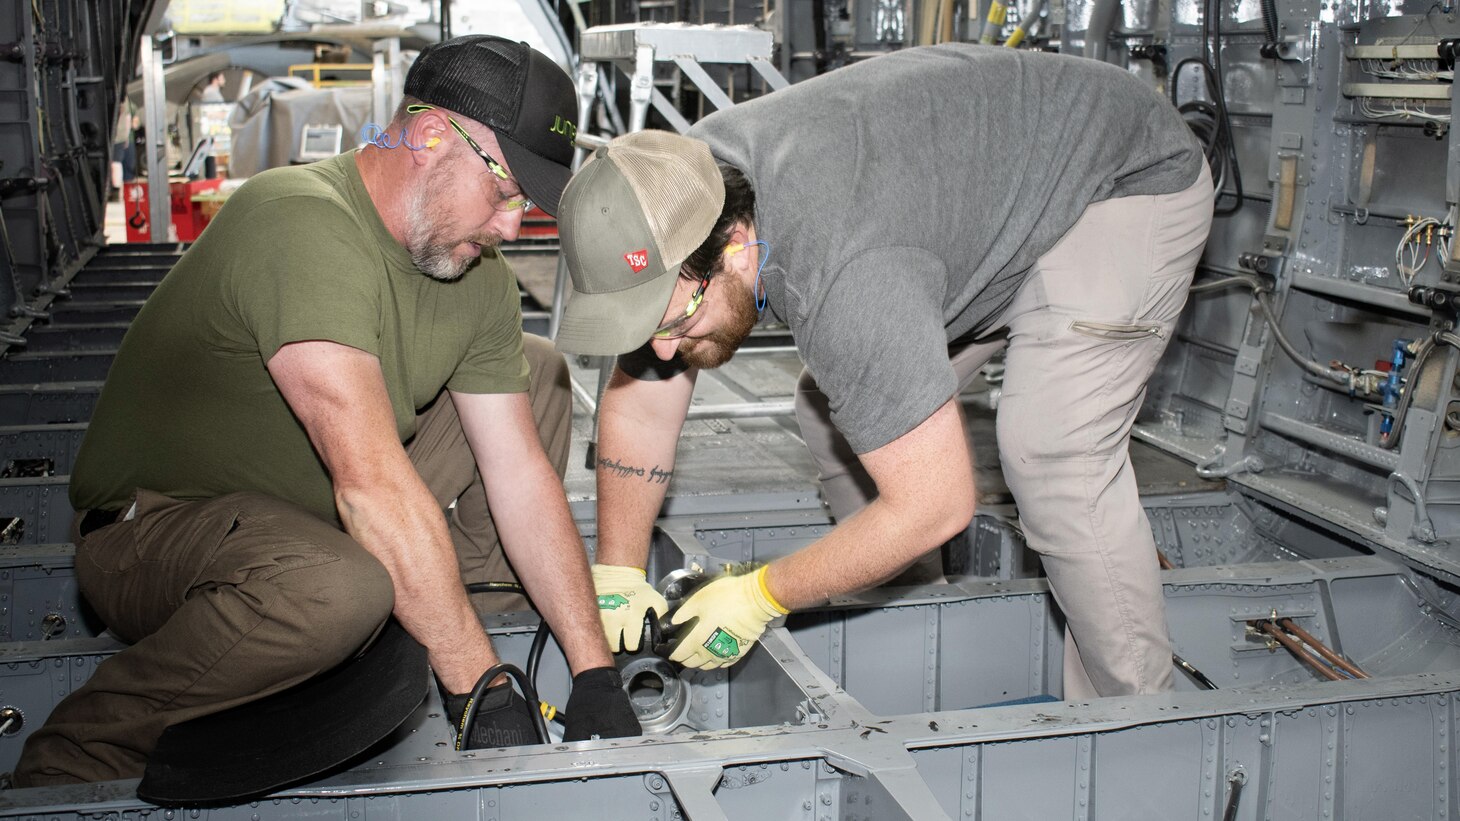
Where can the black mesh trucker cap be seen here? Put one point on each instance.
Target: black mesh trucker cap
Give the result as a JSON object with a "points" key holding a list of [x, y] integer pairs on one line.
{"points": [[519, 93]]}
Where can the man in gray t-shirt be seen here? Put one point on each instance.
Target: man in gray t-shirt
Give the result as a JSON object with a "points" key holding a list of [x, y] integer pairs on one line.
{"points": [[924, 210]]}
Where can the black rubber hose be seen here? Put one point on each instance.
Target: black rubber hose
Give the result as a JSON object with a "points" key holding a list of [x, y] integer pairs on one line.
{"points": [[529, 694], [1176, 76], [818, 32], [1221, 102], [495, 587], [1191, 670], [534, 655], [1234, 795], [1201, 117], [534, 661], [1270, 20]]}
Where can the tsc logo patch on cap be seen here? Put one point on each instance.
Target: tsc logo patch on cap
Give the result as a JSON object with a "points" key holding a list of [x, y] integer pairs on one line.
{"points": [[638, 260]]}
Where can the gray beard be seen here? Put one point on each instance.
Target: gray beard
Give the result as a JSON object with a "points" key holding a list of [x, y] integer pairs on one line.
{"points": [[429, 251], [435, 261]]}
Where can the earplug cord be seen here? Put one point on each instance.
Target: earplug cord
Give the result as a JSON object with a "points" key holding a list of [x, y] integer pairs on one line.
{"points": [[761, 299], [373, 134]]}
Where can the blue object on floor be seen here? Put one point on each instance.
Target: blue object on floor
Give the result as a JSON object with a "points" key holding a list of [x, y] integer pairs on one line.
{"points": [[1042, 698]]}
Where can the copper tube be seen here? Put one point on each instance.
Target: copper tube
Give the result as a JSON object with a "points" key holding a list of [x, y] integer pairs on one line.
{"points": [[1323, 650], [1297, 650]]}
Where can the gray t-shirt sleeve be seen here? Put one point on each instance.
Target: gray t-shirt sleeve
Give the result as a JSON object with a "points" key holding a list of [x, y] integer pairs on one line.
{"points": [[877, 347]]}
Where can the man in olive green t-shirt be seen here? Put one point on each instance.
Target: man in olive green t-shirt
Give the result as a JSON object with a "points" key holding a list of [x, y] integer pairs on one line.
{"points": [[337, 360]]}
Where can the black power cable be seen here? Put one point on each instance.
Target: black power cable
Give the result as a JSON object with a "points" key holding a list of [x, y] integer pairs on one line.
{"points": [[495, 587], [1212, 125], [1235, 781], [529, 694], [534, 661], [1212, 122], [539, 642], [534, 655], [1214, 17], [1191, 670]]}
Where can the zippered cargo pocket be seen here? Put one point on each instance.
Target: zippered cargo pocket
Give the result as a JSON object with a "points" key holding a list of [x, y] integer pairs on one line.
{"points": [[1116, 332]]}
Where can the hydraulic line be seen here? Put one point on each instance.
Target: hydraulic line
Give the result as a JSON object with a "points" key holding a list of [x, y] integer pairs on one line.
{"points": [[1318, 369], [1292, 646], [1225, 282], [1103, 19], [1341, 376], [1421, 355], [1193, 672], [1323, 650], [1026, 25], [1235, 782]]}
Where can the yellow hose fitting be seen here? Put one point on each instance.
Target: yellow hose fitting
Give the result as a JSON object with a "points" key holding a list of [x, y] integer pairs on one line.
{"points": [[995, 21]]}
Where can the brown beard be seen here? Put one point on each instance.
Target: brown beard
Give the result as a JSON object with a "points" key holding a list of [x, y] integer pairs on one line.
{"points": [[716, 348]]}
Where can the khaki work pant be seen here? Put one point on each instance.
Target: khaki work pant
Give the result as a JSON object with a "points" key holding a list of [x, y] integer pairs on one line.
{"points": [[228, 600], [1081, 338]]}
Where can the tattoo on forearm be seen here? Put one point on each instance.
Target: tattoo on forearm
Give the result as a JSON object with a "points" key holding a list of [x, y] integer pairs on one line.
{"points": [[654, 475]]}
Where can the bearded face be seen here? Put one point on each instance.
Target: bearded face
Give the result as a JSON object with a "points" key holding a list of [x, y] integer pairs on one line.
{"points": [[734, 324], [438, 246]]}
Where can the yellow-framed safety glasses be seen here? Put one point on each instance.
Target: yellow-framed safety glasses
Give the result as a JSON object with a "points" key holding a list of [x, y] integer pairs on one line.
{"points": [[681, 325], [498, 170]]}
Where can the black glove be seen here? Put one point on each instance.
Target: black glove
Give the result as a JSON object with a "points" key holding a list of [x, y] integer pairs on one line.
{"points": [[599, 707], [503, 719]]}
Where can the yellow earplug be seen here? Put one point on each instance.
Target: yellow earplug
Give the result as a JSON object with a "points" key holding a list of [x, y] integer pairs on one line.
{"points": [[734, 248], [431, 143]]}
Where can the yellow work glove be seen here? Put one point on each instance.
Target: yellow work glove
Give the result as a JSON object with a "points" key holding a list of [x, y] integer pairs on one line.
{"points": [[624, 598], [732, 614]]}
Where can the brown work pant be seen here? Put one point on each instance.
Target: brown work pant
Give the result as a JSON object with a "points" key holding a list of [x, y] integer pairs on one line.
{"points": [[231, 599]]}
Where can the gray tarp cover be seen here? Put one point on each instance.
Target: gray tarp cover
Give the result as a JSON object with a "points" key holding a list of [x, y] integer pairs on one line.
{"points": [[267, 123]]}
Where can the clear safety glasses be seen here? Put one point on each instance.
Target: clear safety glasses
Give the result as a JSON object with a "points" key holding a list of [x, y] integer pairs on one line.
{"points": [[681, 325], [498, 170]]}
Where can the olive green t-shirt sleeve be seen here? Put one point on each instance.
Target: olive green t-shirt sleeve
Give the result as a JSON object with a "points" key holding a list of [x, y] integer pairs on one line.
{"points": [[495, 362], [310, 280]]}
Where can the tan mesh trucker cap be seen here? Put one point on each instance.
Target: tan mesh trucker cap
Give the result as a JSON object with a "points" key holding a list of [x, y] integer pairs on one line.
{"points": [[639, 207]]}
